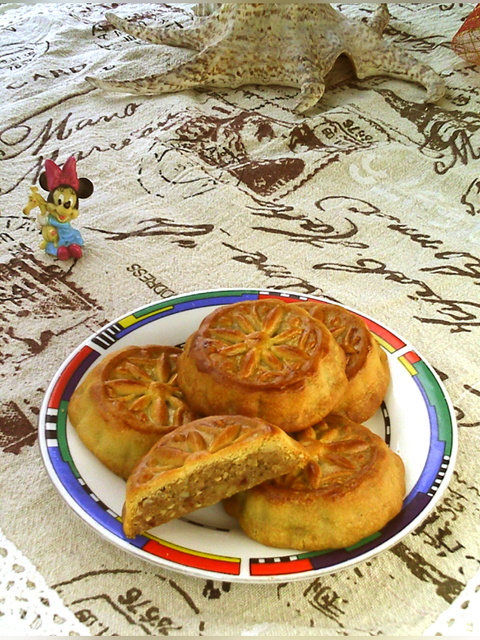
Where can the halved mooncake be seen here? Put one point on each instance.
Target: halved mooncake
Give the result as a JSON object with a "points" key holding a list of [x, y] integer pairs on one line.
{"points": [[263, 358], [203, 462], [127, 402], [352, 487]]}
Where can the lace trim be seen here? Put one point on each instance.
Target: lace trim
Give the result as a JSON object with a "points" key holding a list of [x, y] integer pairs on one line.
{"points": [[27, 603], [462, 618]]}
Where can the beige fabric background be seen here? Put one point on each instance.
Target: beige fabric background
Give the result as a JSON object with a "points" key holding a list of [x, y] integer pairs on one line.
{"points": [[372, 200]]}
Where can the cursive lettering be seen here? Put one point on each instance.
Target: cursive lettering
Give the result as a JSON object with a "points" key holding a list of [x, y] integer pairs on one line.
{"points": [[25, 136], [458, 315], [286, 280], [470, 267], [182, 234]]}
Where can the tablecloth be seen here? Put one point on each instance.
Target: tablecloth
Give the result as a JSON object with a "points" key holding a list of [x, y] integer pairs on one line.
{"points": [[371, 199]]}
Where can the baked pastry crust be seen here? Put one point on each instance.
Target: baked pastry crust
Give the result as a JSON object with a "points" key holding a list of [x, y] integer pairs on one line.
{"points": [[202, 462], [351, 488], [263, 358], [366, 366], [127, 402]]}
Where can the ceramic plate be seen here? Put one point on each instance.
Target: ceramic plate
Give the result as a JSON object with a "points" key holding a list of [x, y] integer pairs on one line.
{"points": [[416, 420]]}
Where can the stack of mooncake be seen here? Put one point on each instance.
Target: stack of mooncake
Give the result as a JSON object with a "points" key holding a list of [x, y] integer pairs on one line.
{"points": [[262, 409]]}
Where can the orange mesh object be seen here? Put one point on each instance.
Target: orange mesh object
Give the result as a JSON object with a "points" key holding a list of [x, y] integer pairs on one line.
{"points": [[466, 42]]}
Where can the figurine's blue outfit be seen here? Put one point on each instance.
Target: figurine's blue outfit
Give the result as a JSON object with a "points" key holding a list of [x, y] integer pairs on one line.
{"points": [[67, 235]]}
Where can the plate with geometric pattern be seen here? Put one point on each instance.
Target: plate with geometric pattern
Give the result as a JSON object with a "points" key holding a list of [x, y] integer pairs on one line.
{"points": [[416, 420]]}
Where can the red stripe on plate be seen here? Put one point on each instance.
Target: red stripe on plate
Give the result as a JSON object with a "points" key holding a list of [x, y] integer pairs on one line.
{"points": [[411, 357], [264, 296], [383, 333], [192, 560], [58, 389], [278, 568]]}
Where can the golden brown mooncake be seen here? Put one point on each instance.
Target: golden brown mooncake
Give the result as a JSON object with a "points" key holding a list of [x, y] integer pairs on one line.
{"points": [[263, 358], [351, 488], [366, 366], [127, 402], [202, 462]]}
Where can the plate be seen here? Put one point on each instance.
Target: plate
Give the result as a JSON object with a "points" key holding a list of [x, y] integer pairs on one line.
{"points": [[416, 420]]}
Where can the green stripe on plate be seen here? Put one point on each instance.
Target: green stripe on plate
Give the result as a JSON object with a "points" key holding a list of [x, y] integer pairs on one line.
{"points": [[62, 437]]}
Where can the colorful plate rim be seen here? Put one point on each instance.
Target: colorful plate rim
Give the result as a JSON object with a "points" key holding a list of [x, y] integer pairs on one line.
{"points": [[275, 567]]}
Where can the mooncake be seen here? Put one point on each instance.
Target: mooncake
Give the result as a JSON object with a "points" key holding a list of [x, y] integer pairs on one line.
{"points": [[352, 486], [366, 364], [201, 463], [263, 358], [127, 402]]}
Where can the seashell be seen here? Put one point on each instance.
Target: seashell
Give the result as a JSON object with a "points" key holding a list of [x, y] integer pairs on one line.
{"points": [[294, 45]]}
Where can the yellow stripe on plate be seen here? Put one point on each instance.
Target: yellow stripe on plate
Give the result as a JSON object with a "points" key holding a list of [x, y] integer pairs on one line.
{"points": [[177, 547], [383, 343], [193, 552], [129, 320], [409, 367]]}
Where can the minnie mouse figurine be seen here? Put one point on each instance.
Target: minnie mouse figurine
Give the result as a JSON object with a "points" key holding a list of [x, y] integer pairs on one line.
{"points": [[64, 188]]}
